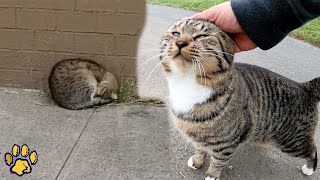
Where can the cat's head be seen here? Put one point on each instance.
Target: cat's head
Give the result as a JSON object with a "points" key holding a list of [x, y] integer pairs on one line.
{"points": [[198, 46]]}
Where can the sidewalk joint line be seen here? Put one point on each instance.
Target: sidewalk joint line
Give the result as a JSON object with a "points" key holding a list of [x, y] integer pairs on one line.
{"points": [[75, 144]]}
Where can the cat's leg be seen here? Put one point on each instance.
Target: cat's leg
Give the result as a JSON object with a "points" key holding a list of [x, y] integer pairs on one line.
{"points": [[218, 161], [197, 160], [302, 147], [103, 91], [217, 164], [108, 87], [312, 162]]}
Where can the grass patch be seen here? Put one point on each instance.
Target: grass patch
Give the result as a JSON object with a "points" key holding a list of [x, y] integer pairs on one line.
{"points": [[196, 5], [128, 91], [310, 32], [128, 95]]}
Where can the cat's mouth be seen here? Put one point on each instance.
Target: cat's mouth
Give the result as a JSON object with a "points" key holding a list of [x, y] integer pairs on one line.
{"points": [[180, 56]]}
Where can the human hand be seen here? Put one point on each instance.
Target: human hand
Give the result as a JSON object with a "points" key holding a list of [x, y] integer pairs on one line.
{"points": [[223, 16]]}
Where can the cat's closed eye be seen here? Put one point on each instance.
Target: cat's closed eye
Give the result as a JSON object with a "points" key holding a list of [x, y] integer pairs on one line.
{"points": [[200, 36]]}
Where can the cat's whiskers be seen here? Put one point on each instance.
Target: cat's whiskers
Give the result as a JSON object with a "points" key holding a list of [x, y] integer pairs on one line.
{"points": [[214, 55], [201, 70], [205, 61], [196, 63], [144, 51], [148, 42], [153, 69], [192, 65], [150, 59], [204, 73], [195, 52]]}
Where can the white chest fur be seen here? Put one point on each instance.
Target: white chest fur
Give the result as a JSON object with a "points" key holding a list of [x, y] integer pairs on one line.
{"points": [[185, 92]]}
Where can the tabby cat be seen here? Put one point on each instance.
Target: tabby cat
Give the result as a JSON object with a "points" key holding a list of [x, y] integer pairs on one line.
{"points": [[81, 83], [219, 104]]}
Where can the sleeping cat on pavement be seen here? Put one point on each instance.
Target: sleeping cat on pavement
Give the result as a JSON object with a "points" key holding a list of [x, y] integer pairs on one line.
{"points": [[219, 104], [81, 83]]}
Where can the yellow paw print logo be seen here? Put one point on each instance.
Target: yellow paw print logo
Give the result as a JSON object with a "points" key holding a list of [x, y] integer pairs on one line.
{"points": [[21, 165]]}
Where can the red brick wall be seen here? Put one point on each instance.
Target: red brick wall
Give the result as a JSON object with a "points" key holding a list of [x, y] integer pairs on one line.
{"points": [[35, 34]]}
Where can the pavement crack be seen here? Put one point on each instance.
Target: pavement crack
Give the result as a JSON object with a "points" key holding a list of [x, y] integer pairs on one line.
{"points": [[75, 144]]}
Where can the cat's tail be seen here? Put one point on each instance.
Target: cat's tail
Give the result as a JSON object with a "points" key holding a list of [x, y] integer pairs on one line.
{"points": [[97, 101], [314, 87]]}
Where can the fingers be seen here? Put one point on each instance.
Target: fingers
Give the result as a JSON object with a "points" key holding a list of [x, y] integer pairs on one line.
{"points": [[223, 16], [186, 18], [237, 49], [209, 14]]}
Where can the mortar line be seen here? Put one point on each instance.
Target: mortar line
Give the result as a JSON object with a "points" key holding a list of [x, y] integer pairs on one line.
{"points": [[75, 144]]}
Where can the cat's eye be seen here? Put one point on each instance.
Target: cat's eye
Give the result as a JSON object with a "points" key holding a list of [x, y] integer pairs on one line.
{"points": [[200, 36], [176, 34]]}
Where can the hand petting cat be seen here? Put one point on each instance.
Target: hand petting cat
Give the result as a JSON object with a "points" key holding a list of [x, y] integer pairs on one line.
{"points": [[222, 15], [260, 23]]}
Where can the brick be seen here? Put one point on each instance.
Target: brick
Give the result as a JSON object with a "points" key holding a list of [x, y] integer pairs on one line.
{"points": [[42, 4], [93, 43], [96, 5], [16, 39], [36, 19], [32, 60], [57, 32], [21, 78], [130, 6], [54, 41], [121, 66], [120, 24], [10, 3], [48, 4], [76, 21], [7, 17], [125, 45], [118, 66]]}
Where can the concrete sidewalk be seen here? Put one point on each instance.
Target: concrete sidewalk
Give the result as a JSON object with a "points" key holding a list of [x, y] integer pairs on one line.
{"points": [[136, 142], [115, 143]]}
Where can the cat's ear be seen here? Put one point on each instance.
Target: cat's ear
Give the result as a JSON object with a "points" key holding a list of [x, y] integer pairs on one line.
{"points": [[229, 43], [199, 26]]}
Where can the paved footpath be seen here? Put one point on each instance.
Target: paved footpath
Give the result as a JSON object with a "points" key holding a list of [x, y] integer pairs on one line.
{"points": [[136, 142]]}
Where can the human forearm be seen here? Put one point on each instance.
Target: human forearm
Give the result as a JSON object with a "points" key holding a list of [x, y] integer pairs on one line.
{"points": [[267, 22]]}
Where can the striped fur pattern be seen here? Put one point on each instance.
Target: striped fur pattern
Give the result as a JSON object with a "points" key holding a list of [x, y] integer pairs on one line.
{"points": [[220, 105], [81, 83]]}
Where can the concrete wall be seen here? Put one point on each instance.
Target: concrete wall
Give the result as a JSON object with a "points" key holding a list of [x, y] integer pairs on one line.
{"points": [[35, 34]]}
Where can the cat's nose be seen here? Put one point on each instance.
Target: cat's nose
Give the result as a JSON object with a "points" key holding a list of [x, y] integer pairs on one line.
{"points": [[181, 44]]}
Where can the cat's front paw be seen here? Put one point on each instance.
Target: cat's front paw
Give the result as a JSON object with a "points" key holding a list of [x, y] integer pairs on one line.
{"points": [[114, 96], [210, 178], [190, 163], [195, 163], [307, 171]]}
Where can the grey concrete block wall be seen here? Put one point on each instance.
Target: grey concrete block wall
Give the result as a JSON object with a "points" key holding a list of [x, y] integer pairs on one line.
{"points": [[36, 34]]}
